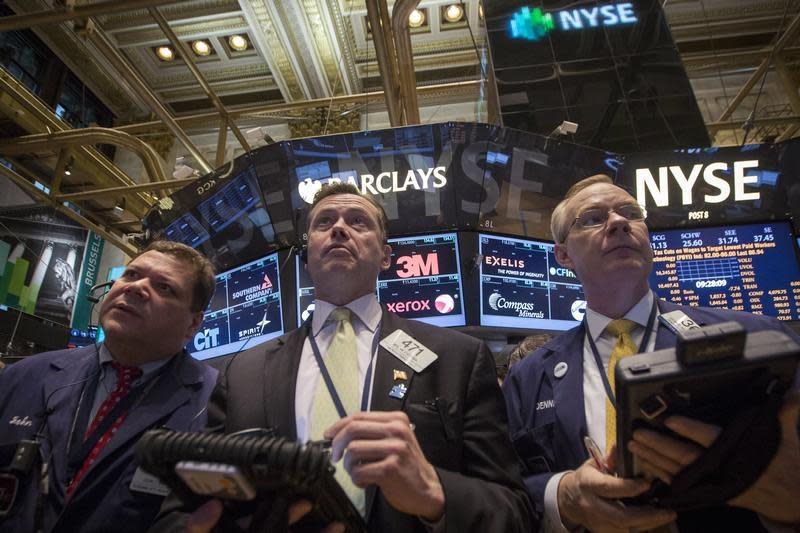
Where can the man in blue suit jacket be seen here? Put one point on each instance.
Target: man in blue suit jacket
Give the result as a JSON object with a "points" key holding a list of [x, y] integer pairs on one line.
{"points": [[556, 395], [148, 316]]}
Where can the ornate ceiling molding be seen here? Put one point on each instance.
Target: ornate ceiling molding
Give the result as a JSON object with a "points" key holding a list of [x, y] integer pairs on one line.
{"points": [[272, 48]]}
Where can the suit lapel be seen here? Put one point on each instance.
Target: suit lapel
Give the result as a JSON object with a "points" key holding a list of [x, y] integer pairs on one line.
{"points": [[280, 372], [58, 393], [568, 394], [382, 383]]}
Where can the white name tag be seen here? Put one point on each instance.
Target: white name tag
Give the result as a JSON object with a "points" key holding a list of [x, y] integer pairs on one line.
{"points": [[147, 483], [409, 350]]}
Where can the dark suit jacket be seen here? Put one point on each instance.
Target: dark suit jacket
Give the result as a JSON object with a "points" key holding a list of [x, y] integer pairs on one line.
{"points": [[469, 448], [103, 500], [546, 414]]}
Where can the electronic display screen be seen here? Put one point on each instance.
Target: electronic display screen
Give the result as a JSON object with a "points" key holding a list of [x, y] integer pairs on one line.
{"points": [[423, 282], [244, 312], [522, 286], [749, 268]]}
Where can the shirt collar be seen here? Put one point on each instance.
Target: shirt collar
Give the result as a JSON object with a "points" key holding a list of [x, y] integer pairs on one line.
{"points": [[639, 313], [366, 308], [147, 368]]}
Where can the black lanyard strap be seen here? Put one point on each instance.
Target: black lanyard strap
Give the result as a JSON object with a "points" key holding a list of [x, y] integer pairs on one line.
{"points": [[337, 402], [642, 347]]}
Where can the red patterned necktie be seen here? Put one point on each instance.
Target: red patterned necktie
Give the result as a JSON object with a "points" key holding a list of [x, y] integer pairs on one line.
{"points": [[125, 376]]}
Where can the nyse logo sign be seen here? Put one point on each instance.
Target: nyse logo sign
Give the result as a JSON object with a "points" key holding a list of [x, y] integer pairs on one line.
{"points": [[416, 265], [206, 339], [533, 24], [713, 189]]}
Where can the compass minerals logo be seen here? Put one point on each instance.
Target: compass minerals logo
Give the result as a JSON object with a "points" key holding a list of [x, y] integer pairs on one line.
{"points": [[533, 24], [523, 309]]}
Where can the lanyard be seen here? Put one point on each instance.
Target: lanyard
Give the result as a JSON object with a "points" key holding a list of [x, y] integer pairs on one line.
{"points": [[337, 402], [642, 346]]}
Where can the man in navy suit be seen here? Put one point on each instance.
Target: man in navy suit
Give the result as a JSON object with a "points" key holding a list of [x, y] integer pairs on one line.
{"points": [[557, 395], [87, 408], [428, 447]]}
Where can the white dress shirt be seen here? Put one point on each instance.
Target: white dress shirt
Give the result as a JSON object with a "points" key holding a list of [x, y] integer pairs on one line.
{"points": [[366, 315], [594, 392]]}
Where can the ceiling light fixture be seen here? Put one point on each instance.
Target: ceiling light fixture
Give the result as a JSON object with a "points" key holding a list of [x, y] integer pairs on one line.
{"points": [[416, 18], [165, 53], [201, 48], [453, 13], [238, 42]]}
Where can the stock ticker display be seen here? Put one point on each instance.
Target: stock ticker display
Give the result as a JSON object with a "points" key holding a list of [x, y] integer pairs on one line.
{"points": [[423, 282], [749, 268], [522, 286], [244, 312]]}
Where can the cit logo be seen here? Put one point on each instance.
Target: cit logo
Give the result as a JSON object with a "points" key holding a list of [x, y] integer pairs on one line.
{"points": [[531, 24], [206, 339]]}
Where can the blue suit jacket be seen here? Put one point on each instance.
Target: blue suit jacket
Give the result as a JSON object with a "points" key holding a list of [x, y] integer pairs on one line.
{"points": [[103, 501], [546, 414]]}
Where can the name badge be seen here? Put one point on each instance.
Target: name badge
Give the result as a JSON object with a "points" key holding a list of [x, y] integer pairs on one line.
{"points": [[678, 322], [147, 483], [409, 350]]}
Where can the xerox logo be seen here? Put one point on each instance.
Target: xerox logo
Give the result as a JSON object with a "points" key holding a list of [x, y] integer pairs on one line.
{"points": [[523, 309], [420, 179], [409, 305], [563, 272], [504, 262], [206, 339], [533, 24]]}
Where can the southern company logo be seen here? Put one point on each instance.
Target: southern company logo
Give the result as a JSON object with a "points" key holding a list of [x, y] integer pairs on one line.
{"points": [[533, 24]]}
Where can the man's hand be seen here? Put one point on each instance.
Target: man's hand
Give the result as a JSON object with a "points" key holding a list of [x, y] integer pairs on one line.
{"points": [[206, 517], [588, 497], [380, 448], [775, 493]]}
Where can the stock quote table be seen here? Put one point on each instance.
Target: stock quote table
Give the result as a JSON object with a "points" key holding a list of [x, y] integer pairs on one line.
{"points": [[750, 268]]}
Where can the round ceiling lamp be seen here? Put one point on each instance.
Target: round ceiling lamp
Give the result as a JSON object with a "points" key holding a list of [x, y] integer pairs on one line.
{"points": [[453, 13], [238, 42], [201, 48], [165, 53], [416, 18]]}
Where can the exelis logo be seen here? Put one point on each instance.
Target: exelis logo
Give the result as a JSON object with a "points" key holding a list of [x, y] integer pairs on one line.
{"points": [[206, 339], [533, 24], [504, 262], [422, 179]]}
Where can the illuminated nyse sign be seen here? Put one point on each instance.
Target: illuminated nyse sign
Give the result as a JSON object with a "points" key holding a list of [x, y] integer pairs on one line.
{"points": [[533, 24], [415, 179], [714, 189]]}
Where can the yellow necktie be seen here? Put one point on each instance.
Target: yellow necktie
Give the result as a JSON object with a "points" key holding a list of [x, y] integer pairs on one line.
{"points": [[621, 329], [341, 361]]}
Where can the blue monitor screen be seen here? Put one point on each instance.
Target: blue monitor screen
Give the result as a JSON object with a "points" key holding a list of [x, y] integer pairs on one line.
{"points": [[749, 268], [522, 286], [244, 312], [423, 282]]}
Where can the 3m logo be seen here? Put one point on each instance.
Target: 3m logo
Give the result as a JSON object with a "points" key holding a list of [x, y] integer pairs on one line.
{"points": [[416, 265]]}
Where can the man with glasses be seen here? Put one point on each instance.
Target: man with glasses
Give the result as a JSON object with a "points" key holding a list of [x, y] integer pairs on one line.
{"points": [[557, 395]]}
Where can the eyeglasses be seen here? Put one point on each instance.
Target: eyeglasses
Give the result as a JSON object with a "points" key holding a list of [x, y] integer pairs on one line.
{"points": [[598, 216]]}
